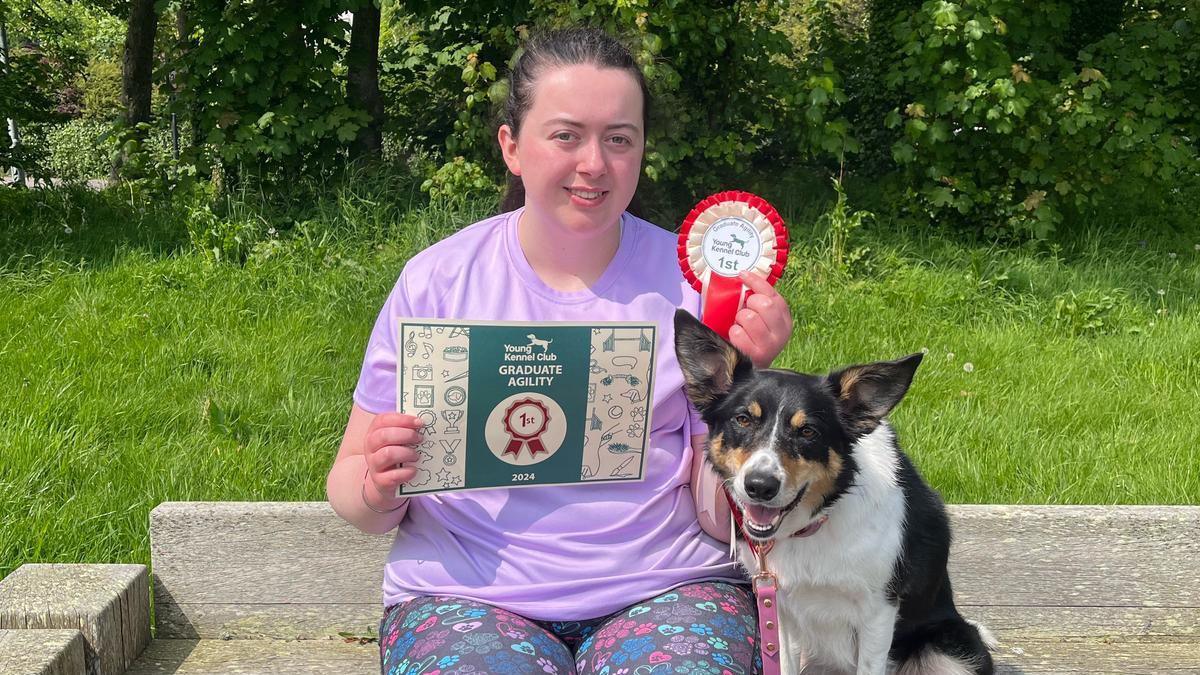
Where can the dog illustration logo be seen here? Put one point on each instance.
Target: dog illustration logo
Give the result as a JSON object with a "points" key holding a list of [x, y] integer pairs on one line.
{"points": [[734, 239], [535, 341]]}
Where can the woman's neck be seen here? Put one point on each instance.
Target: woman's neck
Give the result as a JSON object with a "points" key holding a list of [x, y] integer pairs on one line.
{"points": [[566, 263]]}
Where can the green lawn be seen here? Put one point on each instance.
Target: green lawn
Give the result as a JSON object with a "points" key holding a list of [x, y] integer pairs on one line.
{"points": [[133, 371]]}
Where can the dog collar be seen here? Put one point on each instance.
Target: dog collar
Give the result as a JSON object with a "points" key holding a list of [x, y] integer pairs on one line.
{"points": [[811, 529]]}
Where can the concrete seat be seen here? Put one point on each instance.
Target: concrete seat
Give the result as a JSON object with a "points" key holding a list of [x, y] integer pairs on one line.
{"points": [[268, 587]]}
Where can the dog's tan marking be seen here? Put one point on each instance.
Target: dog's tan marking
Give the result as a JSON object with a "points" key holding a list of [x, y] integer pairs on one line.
{"points": [[725, 459], [755, 409], [820, 476], [731, 361], [849, 379], [716, 444], [798, 419]]}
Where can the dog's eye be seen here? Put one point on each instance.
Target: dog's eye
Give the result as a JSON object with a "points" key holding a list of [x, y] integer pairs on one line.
{"points": [[807, 432], [743, 420]]}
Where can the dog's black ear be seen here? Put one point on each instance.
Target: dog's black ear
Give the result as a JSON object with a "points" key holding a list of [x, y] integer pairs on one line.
{"points": [[867, 393], [710, 364]]}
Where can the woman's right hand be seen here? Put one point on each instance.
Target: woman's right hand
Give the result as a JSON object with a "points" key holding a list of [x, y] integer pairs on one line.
{"points": [[390, 449]]}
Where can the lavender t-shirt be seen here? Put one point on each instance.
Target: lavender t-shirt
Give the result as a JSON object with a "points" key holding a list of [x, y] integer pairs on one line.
{"points": [[551, 552]]}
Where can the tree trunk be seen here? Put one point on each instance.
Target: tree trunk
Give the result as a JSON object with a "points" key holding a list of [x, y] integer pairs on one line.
{"points": [[362, 79], [137, 66], [138, 63], [183, 29]]}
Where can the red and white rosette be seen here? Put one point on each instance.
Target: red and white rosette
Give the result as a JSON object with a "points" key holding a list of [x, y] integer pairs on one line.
{"points": [[723, 235], [525, 421]]}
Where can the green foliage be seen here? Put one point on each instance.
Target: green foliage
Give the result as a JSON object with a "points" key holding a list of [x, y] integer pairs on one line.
{"points": [[263, 83], [101, 90], [222, 239], [80, 149], [840, 223], [26, 96], [1086, 313], [456, 182], [1004, 129]]}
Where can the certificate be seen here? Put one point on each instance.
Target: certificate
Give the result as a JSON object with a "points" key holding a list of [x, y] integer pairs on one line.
{"points": [[507, 404]]}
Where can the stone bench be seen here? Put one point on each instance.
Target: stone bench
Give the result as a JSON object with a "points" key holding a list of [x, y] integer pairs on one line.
{"points": [[273, 588]]}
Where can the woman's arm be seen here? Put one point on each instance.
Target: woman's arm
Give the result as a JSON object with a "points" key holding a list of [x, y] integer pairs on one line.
{"points": [[352, 494], [712, 509]]}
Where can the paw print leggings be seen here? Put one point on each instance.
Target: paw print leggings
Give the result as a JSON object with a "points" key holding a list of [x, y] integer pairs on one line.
{"points": [[706, 627]]}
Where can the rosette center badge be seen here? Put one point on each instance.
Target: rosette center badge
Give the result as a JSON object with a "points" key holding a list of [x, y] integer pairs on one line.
{"points": [[731, 245]]}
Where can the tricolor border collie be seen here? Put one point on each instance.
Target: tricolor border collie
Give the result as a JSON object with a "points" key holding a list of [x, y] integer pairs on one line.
{"points": [[861, 541]]}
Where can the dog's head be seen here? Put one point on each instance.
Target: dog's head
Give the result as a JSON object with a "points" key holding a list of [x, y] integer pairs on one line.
{"points": [[783, 441]]}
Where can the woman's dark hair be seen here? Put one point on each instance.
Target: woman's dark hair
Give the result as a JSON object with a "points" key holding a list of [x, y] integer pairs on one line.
{"points": [[557, 48]]}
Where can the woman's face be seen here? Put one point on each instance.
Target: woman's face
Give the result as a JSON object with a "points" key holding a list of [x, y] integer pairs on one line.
{"points": [[580, 150]]}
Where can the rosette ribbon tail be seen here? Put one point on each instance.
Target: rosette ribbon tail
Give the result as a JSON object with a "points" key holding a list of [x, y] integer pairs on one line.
{"points": [[514, 446], [721, 299]]}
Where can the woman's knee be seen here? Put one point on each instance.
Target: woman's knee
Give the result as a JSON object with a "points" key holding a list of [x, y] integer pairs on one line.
{"points": [[700, 627], [450, 634]]}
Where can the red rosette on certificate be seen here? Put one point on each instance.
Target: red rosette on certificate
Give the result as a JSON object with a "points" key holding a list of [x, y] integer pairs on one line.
{"points": [[723, 235], [525, 421]]}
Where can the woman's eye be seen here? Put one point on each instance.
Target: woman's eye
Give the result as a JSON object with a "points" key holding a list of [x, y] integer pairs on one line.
{"points": [[620, 140], [807, 432], [564, 136], [742, 419]]}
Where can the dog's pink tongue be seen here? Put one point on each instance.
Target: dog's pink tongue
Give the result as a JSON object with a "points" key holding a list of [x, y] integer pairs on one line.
{"points": [[761, 515]]}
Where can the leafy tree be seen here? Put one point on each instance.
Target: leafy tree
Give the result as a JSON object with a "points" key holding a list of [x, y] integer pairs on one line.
{"points": [[263, 80]]}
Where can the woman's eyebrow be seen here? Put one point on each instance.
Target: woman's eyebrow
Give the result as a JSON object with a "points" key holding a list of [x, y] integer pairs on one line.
{"points": [[579, 125]]}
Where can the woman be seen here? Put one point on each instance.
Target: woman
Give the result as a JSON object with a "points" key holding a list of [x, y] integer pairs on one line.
{"points": [[555, 579]]}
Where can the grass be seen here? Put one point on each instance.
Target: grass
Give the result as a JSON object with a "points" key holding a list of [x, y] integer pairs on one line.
{"points": [[134, 371]]}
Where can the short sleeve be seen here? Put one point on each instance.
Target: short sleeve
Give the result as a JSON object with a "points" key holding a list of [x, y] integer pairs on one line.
{"points": [[376, 389]]}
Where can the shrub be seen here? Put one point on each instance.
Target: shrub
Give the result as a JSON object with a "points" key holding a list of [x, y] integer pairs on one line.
{"points": [[1008, 122], [80, 150], [101, 85], [730, 92]]}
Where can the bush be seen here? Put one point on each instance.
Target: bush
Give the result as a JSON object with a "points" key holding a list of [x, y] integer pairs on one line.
{"points": [[1009, 124], [80, 150], [101, 85]]}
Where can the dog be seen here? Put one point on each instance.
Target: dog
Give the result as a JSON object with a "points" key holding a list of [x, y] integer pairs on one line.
{"points": [[734, 239], [535, 341], [860, 540]]}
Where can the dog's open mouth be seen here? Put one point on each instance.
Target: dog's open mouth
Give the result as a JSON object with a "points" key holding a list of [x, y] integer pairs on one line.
{"points": [[762, 522]]}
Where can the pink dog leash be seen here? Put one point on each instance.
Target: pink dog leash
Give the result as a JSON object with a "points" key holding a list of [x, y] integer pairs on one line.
{"points": [[766, 590]]}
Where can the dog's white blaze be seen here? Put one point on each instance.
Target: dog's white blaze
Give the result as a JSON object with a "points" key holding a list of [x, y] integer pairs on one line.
{"points": [[766, 457], [841, 572]]}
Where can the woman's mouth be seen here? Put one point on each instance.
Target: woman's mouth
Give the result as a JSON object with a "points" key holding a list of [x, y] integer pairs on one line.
{"points": [[586, 197]]}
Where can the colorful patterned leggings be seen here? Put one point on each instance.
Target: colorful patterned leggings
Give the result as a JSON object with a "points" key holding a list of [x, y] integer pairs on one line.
{"points": [[706, 627]]}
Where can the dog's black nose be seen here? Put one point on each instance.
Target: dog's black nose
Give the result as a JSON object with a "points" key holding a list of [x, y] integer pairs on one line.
{"points": [[762, 487]]}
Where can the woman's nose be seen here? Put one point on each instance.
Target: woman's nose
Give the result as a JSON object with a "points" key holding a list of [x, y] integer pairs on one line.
{"points": [[591, 158]]}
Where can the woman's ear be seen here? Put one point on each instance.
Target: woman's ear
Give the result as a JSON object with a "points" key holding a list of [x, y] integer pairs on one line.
{"points": [[508, 147]]}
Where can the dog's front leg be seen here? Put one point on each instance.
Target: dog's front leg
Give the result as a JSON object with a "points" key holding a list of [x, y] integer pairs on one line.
{"points": [[875, 640]]}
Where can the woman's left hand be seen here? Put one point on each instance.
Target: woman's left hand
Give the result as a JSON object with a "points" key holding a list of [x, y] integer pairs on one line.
{"points": [[763, 327]]}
